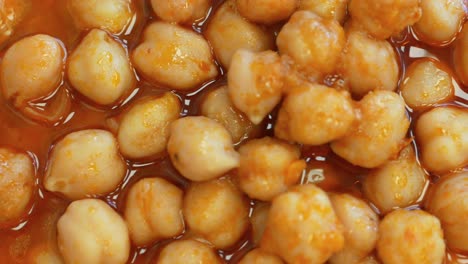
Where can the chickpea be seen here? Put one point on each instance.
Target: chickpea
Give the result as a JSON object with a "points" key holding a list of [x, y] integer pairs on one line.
{"points": [[441, 20], [46, 255], [302, 227], [255, 83], [379, 133], [188, 252], [369, 260], [181, 11], [90, 231], [266, 11], [174, 56], [460, 55], [227, 31], [144, 129], [217, 211], [361, 226], [17, 185], [384, 18], [111, 15], [100, 61], [314, 114], [426, 83], [258, 256], [85, 163], [153, 211], [448, 200], [313, 42], [218, 106], [410, 237], [442, 134], [12, 13], [258, 221], [200, 148], [330, 9], [268, 167]]}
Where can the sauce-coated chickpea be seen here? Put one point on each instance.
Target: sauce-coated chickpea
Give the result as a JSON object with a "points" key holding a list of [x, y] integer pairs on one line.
{"points": [[181, 11], [258, 256], [258, 221], [266, 11], [188, 252], [12, 13], [460, 55], [330, 9]]}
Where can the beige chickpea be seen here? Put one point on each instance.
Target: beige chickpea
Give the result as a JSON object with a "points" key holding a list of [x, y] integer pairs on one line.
{"points": [[227, 31], [153, 211], [90, 231], [410, 237], [217, 211], [258, 221], [255, 83], [460, 55], [426, 83], [314, 114], [302, 227], [174, 56], [313, 42], [111, 15], [181, 11], [188, 252], [12, 13], [384, 18], [85, 163], [17, 185], [448, 200], [361, 226], [268, 167], [258, 256], [201, 148], [442, 134], [379, 133], [99, 69], [330, 9], [144, 129], [266, 11], [45, 255]]}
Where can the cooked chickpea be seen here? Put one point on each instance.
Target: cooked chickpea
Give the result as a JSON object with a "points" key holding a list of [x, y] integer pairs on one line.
{"points": [[258, 221], [314, 114], [227, 31], [90, 231], [255, 83], [302, 227], [99, 68], [426, 83], [379, 133], [144, 129], [188, 252], [266, 11], [313, 42], [45, 255], [268, 167], [330, 9], [460, 55], [111, 15], [153, 211], [410, 237], [448, 200], [181, 11], [12, 13], [174, 56], [258, 256], [442, 134], [217, 211], [369, 260], [384, 18], [85, 163], [201, 148], [361, 226], [17, 185]]}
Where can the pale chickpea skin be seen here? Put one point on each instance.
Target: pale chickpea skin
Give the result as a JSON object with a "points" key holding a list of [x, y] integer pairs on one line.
{"points": [[255, 83], [426, 83], [181, 11], [258, 256], [90, 231], [174, 56], [384, 18], [111, 15], [201, 148], [441, 20], [258, 221], [85, 163], [144, 129], [17, 185], [302, 227], [266, 11], [448, 200], [442, 134], [361, 225], [314, 43], [99, 69], [267, 167], [410, 237], [188, 252], [460, 55], [380, 131], [217, 211], [330, 9], [314, 114], [153, 211], [227, 31]]}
